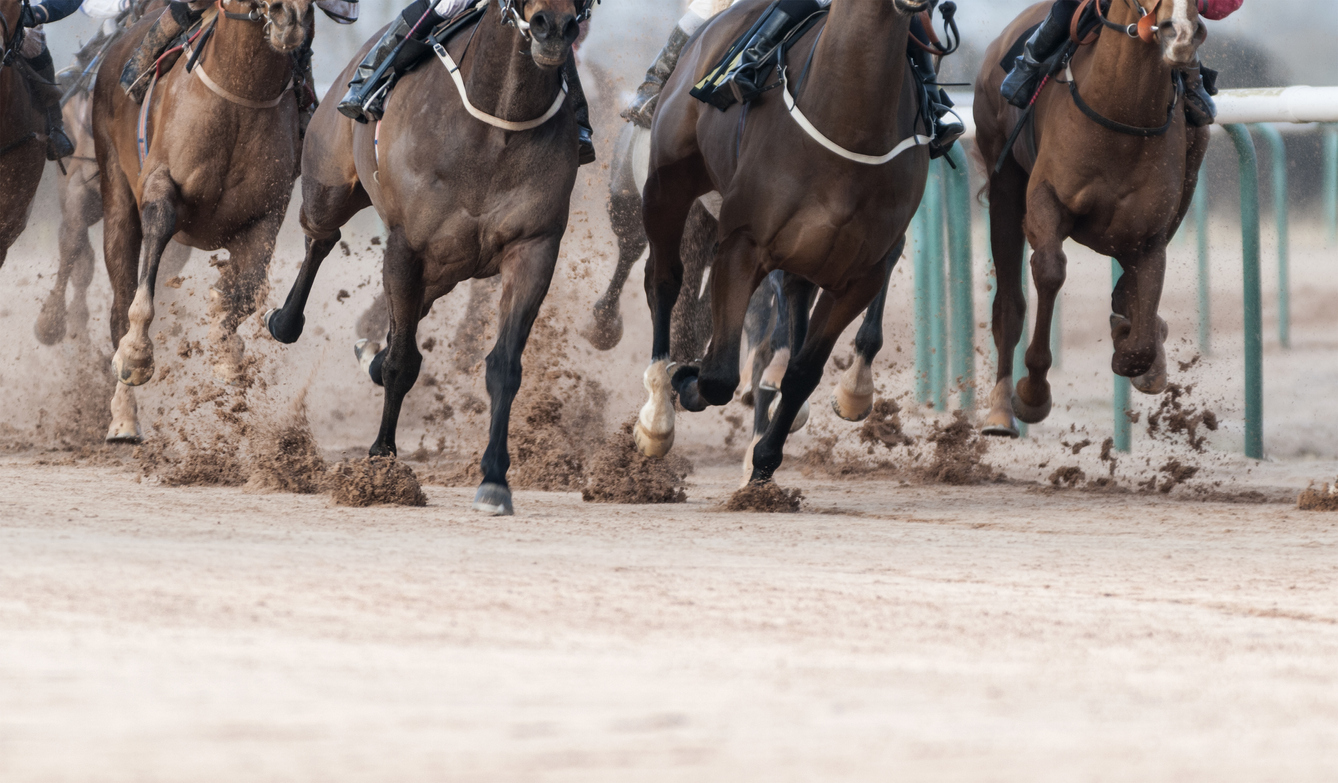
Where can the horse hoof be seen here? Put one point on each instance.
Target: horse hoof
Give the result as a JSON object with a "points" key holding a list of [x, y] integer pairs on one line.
{"points": [[277, 330], [748, 461], [50, 326], [494, 500], [124, 433], [365, 351], [604, 335], [652, 444], [1000, 430], [1026, 412], [800, 418], [851, 407], [1153, 381]]}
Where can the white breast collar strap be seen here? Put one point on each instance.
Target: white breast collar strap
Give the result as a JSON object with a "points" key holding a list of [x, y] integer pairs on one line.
{"points": [[198, 70], [816, 135], [496, 122]]}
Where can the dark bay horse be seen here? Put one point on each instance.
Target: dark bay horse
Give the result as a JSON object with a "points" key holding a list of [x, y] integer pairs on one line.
{"points": [[1121, 192], [22, 147], [223, 149], [821, 187], [462, 196]]}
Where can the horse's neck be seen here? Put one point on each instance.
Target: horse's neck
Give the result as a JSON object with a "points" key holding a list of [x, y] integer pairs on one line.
{"points": [[502, 77], [1127, 79], [859, 64], [240, 59]]}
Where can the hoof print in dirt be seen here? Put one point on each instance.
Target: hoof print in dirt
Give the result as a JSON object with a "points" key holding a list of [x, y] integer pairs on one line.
{"points": [[375, 481], [621, 474], [767, 498], [1321, 498]]}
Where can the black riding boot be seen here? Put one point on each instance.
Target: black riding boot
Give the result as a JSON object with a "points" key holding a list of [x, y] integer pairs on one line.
{"points": [[366, 99], [305, 87], [585, 135], [46, 99], [1200, 87], [744, 81], [947, 130], [138, 71], [1020, 84], [642, 110]]}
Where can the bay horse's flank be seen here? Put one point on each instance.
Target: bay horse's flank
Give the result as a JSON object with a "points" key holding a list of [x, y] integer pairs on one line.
{"points": [[790, 202], [223, 149], [1120, 194], [460, 197], [22, 153]]}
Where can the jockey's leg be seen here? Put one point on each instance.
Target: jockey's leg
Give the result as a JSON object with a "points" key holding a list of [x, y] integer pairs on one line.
{"points": [[745, 79], [642, 109], [46, 99], [945, 132], [1020, 84], [585, 133], [1200, 87], [138, 71]]}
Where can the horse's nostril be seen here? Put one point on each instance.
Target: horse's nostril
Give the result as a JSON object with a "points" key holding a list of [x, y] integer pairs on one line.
{"points": [[571, 30]]}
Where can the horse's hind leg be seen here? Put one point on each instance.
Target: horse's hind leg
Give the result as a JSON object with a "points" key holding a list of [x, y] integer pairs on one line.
{"points": [[526, 273], [735, 277], [830, 318], [1008, 191], [402, 276], [80, 208], [1047, 225], [853, 397], [605, 329]]}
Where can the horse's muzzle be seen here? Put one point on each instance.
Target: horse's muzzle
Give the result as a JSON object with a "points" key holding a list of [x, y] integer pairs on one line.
{"points": [[551, 37], [909, 7]]}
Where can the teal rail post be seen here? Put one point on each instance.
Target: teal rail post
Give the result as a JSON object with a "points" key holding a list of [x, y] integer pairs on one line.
{"points": [[922, 318], [1278, 152], [963, 367], [1331, 181], [1020, 352], [1120, 403], [1205, 288], [1254, 329], [937, 301]]}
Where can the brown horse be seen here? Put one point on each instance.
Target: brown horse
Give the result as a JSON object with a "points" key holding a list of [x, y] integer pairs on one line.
{"points": [[823, 191], [79, 189], [223, 149], [1120, 186], [464, 194], [22, 149]]}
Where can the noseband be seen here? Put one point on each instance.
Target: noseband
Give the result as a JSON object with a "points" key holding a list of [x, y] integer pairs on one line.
{"points": [[1145, 29], [513, 13]]}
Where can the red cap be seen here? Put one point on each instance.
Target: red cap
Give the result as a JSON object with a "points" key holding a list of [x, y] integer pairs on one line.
{"points": [[1218, 9]]}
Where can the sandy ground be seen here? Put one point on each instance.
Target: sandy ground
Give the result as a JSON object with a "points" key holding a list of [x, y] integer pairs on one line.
{"points": [[888, 632]]}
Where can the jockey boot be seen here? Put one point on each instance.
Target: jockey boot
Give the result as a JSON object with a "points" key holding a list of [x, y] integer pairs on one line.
{"points": [[1019, 86], [364, 101], [46, 99], [642, 110], [585, 135], [744, 79], [946, 131], [305, 87], [138, 71], [1200, 87]]}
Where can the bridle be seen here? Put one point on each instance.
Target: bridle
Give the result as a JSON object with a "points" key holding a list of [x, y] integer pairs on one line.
{"points": [[1145, 29], [255, 14], [513, 13]]}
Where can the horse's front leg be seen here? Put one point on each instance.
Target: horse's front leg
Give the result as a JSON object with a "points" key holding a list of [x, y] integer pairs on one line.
{"points": [[133, 361], [831, 316], [1139, 334], [240, 289], [1008, 208], [397, 370], [853, 397], [80, 208], [285, 323], [1048, 223], [605, 329], [735, 277], [527, 271]]}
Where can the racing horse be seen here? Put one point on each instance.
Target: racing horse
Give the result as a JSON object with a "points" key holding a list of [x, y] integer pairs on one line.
{"points": [[80, 194], [1113, 168], [463, 192], [219, 154], [820, 185], [22, 148]]}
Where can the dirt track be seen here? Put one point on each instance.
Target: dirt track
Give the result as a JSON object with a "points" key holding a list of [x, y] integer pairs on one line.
{"points": [[989, 633]]}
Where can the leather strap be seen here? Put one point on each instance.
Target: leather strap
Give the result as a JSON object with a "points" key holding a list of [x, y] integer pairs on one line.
{"points": [[496, 122], [855, 157]]}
